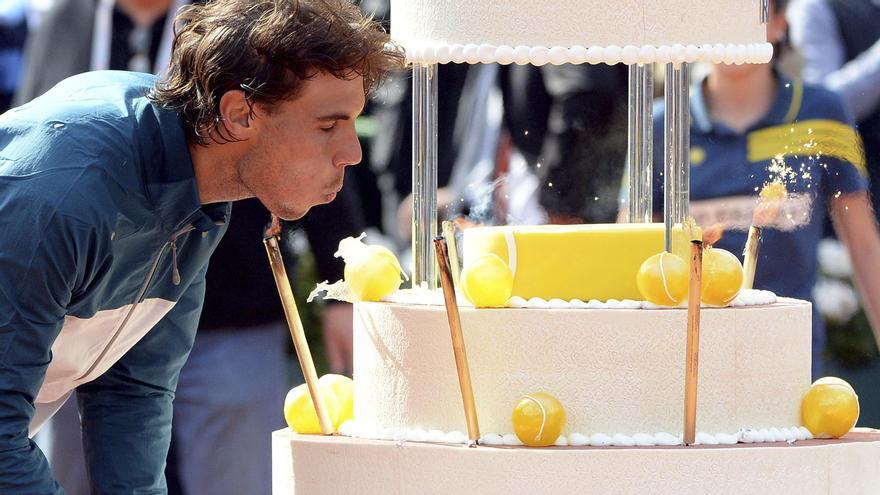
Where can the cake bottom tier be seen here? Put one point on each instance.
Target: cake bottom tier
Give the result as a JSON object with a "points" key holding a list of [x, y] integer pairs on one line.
{"points": [[306, 464]]}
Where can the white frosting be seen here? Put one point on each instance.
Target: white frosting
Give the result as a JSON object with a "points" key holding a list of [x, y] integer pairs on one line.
{"points": [[422, 296], [341, 465], [580, 31], [616, 371], [744, 435], [441, 53], [746, 297]]}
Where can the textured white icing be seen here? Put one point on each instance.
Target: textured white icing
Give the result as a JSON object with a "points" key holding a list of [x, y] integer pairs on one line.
{"points": [[556, 31], [442, 53], [317, 464], [614, 370], [744, 435]]}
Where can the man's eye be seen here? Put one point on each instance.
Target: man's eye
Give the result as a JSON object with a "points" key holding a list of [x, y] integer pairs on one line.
{"points": [[328, 128]]}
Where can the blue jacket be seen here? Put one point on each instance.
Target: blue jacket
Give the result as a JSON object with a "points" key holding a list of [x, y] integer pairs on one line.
{"points": [[103, 251]]}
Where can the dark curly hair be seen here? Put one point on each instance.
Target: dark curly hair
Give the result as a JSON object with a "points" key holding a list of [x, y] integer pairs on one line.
{"points": [[267, 48]]}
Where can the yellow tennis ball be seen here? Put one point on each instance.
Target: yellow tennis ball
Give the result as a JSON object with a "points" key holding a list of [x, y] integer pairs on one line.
{"points": [[538, 419], [343, 387], [299, 411], [372, 273], [663, 279], [487, 281], [722, 277], [830, 408]]}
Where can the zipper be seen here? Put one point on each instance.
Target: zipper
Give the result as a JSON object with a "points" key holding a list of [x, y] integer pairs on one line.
{"points": [[175, 279], [175, 272]]}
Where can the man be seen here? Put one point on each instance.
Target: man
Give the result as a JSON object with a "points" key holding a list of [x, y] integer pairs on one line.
{"points": [[840, 43], [114, 191]]}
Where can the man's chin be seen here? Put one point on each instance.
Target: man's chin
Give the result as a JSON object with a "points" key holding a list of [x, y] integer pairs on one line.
{"points": [[291, 215]]}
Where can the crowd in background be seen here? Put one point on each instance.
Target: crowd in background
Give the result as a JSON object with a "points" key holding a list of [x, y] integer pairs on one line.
{"points": [[517, 145]]}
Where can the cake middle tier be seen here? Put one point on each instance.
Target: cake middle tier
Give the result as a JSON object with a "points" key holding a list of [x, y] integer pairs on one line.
{"points": [[614, 370]]}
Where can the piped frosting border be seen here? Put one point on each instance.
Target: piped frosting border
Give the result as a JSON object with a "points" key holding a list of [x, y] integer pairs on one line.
{"points": [[744, 435]]}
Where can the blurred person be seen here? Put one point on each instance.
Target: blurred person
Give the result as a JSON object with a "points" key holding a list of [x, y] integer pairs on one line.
{"points": [[751, 126], [13, 32], [568, 123], [839, 41], [76, 36], [127, 199]]}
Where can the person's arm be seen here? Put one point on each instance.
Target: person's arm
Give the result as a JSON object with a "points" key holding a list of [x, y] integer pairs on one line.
{"points": [[856, 227], [126, 412], [815, 33], [47, 259]]}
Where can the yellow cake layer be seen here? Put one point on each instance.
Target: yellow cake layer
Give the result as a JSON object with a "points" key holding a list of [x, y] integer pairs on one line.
{"points": [[598, 261]]}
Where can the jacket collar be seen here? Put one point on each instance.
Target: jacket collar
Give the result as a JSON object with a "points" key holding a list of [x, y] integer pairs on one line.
{"points": [[169, 176]]}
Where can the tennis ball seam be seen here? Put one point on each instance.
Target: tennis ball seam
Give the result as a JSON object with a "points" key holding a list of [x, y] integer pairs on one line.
{"points": [[663, 278], [543, 416]]}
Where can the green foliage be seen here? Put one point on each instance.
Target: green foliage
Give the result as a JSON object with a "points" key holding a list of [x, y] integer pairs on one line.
{"points": [[852, 344]]}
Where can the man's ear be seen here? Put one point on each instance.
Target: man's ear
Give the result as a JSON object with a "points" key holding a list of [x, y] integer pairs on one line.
{"points": [[236, 115]]}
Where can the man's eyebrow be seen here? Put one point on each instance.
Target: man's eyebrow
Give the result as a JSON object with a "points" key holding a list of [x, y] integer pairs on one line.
{"points": [[339, 116], [335, 116]]}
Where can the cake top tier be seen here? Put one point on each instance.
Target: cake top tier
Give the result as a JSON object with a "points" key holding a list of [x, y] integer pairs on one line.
{"points": [[580, 31]]}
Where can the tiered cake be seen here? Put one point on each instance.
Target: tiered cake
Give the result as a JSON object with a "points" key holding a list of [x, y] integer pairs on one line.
{"points": [[576, 328]]}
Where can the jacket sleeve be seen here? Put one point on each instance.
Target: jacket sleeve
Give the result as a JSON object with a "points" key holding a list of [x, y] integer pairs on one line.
{"points": [[46, 259], [126, 412]]}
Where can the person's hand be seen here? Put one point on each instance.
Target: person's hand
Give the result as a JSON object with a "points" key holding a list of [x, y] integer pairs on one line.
{"points": [[337, 325]]}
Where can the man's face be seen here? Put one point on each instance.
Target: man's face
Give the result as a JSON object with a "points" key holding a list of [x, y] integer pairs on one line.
{"points": [[300, 149]]}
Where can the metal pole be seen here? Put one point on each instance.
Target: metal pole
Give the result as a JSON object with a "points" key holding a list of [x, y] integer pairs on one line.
{"points": [[424, 175], [677, 148], [640, 143]]}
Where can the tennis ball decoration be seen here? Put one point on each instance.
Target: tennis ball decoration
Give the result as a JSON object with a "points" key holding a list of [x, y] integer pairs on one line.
{"points": [[663, 279], [487, 281], [538, 419], [299, 411], [722, 277], [372, 272], [830, 408], [343, 388]]}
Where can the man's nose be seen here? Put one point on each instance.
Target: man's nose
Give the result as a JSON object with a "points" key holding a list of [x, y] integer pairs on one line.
{"points": [[351, 153]]}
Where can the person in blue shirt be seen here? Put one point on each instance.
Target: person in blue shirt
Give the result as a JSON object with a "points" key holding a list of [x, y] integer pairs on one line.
{"points": [[114, 192], [751, 126]]}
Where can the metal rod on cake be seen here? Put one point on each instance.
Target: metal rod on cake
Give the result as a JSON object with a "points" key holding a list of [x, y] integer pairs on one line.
{"points": [[270, 241], [424, 174], [640, 143], [458, 348], [693, 343], [677, 149]]}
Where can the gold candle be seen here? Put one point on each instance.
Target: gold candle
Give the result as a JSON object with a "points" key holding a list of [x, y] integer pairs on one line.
{"points": [[750, 257], [772, 198], [449, 234], [270, 241], [458, 349], [693, 343]]}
